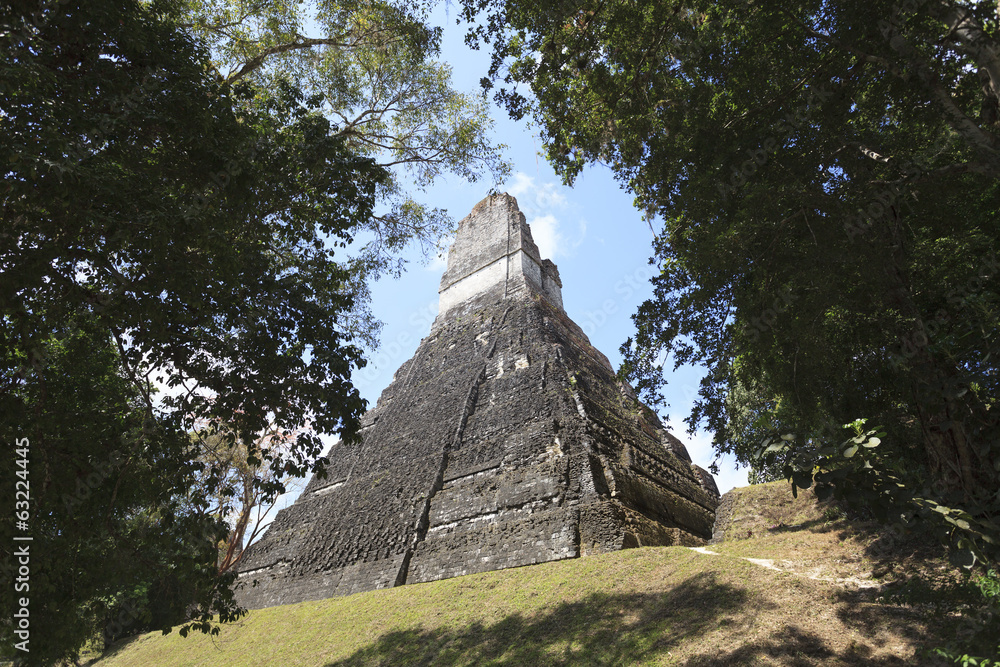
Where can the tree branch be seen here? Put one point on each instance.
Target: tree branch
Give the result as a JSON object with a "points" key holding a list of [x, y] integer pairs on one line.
{"points": [[302, 43], [972, 40], [349, 41], [955, 117], [853, 50]]}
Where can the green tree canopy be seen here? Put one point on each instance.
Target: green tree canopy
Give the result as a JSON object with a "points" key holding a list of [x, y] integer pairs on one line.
{"points": [[826, 173], [374, 63], [159, 229]]}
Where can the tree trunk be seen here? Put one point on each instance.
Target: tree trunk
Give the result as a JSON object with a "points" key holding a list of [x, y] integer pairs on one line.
{"points": [[956, 427]]}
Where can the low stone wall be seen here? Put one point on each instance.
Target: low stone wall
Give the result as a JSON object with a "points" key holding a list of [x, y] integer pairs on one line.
{"points": [[723, 516]]}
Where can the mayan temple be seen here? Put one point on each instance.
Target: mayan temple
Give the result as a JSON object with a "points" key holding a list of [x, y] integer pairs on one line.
{"points": [[506, 440]]}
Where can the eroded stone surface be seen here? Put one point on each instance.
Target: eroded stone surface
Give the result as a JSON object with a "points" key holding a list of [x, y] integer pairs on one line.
{"points": [[506, 440]]}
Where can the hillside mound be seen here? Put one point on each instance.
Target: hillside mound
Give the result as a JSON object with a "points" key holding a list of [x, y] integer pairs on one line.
{"points": [[789, 582]]}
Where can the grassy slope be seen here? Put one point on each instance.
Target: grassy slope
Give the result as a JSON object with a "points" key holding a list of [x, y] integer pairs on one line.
{"points": [[655, 606]]}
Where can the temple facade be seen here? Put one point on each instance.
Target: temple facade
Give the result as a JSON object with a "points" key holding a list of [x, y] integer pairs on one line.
{"points": [[506, 440]]}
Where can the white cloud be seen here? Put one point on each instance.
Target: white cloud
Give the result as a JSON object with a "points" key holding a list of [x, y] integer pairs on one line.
{"points": [[522, 184], [536, 199], [545, 231], [545, 206], [533, 198]]}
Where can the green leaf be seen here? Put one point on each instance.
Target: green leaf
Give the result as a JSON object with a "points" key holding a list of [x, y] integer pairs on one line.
{"points": [[961, 523], [963, 558], [802, 479]]}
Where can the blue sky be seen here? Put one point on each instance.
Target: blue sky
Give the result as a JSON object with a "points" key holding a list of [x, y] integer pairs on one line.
{"points": [[591, 231]]}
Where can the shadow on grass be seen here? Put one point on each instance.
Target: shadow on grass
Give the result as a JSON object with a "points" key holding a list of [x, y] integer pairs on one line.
{"points": [[793, 647], [601, 629], [820, 525], [119, 646], [618, 629]]}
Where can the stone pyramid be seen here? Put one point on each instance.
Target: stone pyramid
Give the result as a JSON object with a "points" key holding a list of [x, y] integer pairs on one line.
{"points": [[506, 440]]}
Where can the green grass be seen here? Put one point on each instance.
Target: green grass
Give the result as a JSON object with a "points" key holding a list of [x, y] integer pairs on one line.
{"points": [[653, 606]]}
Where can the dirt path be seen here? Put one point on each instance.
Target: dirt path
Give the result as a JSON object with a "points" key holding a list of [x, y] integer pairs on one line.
{"points": [[848, 582]]}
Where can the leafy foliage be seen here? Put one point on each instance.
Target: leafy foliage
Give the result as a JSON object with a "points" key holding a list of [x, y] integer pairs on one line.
{"points": [[118, 544], [374, 64], [160, 230], [984, 627], [826, 173], [241, 491]]}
